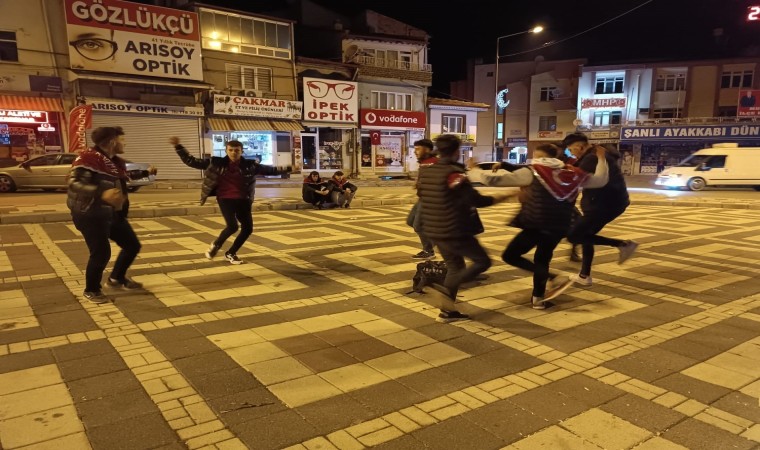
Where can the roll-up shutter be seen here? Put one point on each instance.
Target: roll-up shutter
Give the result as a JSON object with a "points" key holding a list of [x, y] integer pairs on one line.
{"points": [[147, 140]]}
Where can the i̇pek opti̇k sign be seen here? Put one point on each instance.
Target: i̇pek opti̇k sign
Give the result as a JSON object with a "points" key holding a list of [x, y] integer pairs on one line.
{"points": [[122, 37], [330, 100]]}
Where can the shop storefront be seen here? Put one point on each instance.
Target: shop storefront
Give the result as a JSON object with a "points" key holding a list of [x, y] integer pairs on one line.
{"points": [[331, 110], [387, 140], [147, 130], [265, 127], [650, 150], [29, 126]]}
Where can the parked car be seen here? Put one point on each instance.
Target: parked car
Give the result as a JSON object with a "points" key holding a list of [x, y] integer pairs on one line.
{"points": [[49, 172]]}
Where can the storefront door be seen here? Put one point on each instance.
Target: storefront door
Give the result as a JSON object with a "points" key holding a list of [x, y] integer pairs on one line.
{"points": [[309, 149]]}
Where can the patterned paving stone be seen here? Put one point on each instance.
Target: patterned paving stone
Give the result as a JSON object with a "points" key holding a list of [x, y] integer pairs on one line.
{"points": [[314, 342]]}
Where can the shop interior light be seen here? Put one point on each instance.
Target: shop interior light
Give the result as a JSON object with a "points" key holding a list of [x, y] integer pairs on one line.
{"points": [[214, 35], [215, 44]]}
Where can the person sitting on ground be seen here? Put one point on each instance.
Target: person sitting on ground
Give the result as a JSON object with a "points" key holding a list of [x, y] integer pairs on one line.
{"points": [[315, 190], [341, 190]]}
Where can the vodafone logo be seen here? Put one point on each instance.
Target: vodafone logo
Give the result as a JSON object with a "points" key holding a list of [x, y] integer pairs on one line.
{"points": [[396, 119]]}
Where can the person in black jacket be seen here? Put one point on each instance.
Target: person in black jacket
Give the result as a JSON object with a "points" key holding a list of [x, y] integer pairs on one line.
{"points": [[600, 206], [314, 190], [232, 180], [341, 190], [98, 200], [548, 200], [448, 205]]}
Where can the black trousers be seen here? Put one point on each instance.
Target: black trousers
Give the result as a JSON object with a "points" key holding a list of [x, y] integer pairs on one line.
{"points": [[584, 231], [453, 252], [235, 210], [525, 241], [96, 235]]}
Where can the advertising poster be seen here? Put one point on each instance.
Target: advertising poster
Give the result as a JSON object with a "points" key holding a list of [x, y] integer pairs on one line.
{"points": [[80, 120], [330, 100], [749, 106], [123, 37]]}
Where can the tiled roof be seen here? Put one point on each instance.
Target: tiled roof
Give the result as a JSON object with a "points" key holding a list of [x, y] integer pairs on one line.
{"points": [[460, 103]]}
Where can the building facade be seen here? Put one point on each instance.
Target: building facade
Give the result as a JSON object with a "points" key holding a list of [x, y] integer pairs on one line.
{"points": [[455, 117]]}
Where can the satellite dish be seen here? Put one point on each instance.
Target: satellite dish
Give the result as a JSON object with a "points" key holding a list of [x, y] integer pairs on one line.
{"points": [[351, 51]]}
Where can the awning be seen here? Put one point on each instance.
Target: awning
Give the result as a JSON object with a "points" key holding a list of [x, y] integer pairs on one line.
{"points": [[218, 124], [30, 103], [250, 125], [286, 125], [339, 125], [188, 84]]}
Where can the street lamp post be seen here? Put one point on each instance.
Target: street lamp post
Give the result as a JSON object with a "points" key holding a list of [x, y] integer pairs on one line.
{"points": [[536, 29]]}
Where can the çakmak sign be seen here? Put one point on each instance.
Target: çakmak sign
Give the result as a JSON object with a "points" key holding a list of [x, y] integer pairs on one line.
{"points": [[257, 107], [122, 37], [330, 100], [707, 133], [617, 102], [384, 118]]}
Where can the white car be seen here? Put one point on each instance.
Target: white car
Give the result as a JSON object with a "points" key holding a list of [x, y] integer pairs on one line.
{"points": [[49, 172]]}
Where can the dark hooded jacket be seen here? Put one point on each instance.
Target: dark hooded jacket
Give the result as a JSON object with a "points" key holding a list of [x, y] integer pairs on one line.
{"points": [[611, 197], [215, 167]]}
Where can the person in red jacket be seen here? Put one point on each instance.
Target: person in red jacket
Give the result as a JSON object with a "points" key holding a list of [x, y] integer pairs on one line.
{"points": [[341, 190]]}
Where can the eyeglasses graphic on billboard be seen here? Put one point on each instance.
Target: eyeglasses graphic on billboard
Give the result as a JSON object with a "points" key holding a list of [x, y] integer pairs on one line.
{"points": [[320, 89], [94, 49]]}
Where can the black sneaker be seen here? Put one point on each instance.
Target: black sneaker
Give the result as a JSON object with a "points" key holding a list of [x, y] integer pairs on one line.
{"points": [[424, 255], [233, 259], [96, 297], [451, 316], [211, 252], [126, 283]]}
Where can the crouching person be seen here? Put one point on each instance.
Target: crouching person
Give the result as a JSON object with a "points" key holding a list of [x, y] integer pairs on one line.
{"points": [[315, 191], [341, 190]]}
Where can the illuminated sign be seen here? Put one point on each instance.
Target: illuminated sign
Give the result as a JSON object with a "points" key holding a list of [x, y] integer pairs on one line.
{"points": [[45, 127], [754, 13], [616, 102], [14, 116], [501, 98]]}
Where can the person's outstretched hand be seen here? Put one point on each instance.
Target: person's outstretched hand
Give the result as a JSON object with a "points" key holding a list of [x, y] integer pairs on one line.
{"points": [[174, 140]]}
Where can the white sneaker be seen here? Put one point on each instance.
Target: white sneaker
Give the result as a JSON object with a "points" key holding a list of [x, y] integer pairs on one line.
{"points": [[555, 292], [627, 250], [577, 279], [233, 259], [537, 303], [211, 252]]}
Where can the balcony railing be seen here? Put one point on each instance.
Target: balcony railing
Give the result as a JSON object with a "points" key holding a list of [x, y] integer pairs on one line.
{"points": [[392, 64]]}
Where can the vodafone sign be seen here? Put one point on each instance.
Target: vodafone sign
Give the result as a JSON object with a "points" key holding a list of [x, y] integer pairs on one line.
{"points": [[384, 119]]}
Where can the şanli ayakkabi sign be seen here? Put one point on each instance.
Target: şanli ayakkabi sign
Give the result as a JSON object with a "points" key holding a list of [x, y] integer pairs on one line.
{"points": [[129, 38]]}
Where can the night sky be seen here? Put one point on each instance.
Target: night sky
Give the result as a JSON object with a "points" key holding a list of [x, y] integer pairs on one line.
{"points": [[657, 30]]}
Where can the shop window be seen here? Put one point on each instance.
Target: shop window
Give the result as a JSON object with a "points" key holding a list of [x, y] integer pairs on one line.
{"points": [[8, 46], [391, 100], [452, 124], [547, 123], [331, 148], [609, 84], [247, 35], [736, 79], [547, 94], [249, 77]]}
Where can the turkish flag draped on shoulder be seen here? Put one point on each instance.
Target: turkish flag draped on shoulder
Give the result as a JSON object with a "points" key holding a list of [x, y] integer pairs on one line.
{"points": [[80, 120]]}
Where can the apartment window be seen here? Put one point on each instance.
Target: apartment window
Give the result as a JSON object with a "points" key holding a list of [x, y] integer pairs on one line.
{"points": [[607, 118], [671, 82], [489, 74], [499, 131], [8, 46], [547, 123], [666, 113], [248, 77], [452, 124], [609, 84], [727, 111], [239, 34], [736, 79], [394, 59], [391, 100], [547, 94]]}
